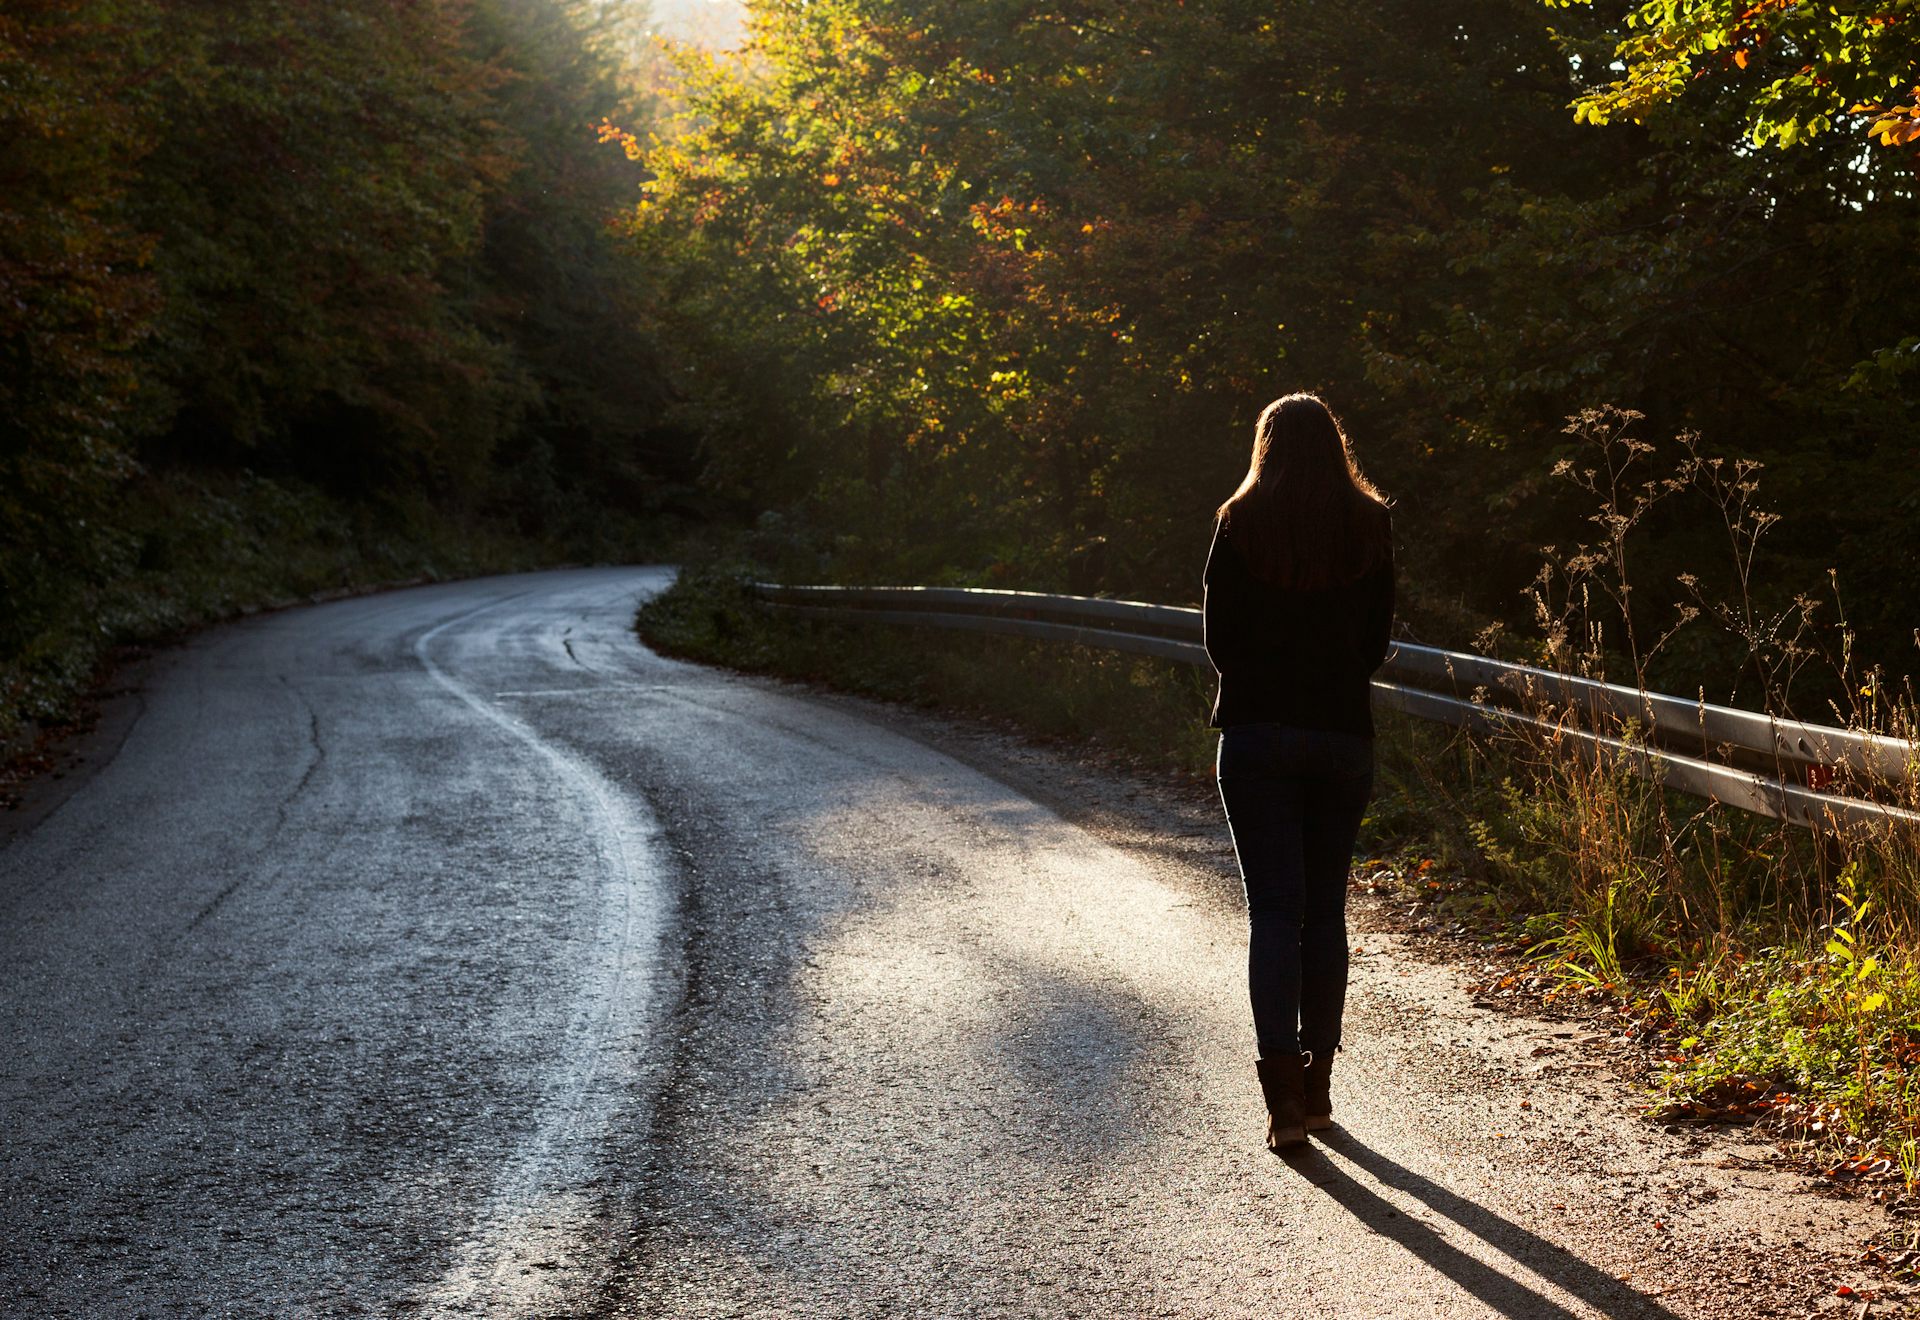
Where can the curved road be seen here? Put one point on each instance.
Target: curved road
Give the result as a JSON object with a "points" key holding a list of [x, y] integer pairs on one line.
{"points": [[445, 952]]}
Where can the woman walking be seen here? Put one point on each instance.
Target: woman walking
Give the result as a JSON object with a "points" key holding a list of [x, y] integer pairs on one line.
{"points": [[1299, 602]]}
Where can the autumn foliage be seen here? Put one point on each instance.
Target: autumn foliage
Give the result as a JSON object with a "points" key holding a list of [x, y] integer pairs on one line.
{"points": [[992, 292]]}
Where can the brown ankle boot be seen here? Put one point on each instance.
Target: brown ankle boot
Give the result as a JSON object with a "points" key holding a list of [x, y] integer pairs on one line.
{"points": [[1317, 1082], [1281, 1083]]}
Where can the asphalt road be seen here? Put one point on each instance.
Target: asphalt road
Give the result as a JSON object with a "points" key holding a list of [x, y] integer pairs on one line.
{"points": [[445, 952]]}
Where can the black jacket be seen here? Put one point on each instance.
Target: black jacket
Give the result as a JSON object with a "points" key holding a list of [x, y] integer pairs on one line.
{"points": [[1288, 656]]}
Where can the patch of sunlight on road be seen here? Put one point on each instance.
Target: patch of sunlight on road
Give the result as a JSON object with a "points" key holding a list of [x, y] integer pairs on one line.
{"points": [[1025, 1046], [994, 1045]]}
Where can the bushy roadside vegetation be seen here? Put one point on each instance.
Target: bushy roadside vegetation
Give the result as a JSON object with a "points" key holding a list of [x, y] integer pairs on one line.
{"points": [[1772, 973]]}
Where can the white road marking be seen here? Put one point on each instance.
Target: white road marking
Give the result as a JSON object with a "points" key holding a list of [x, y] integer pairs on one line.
{"points": [[513, 1261]]}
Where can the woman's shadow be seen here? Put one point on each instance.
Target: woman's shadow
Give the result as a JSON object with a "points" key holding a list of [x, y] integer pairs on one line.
{"points": [[1501, 1293]]}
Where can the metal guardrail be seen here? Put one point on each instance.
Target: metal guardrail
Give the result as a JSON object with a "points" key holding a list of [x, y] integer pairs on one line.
{"points": [[1741, 758]]}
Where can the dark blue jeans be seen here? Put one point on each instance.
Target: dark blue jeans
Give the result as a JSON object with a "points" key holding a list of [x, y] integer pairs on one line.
{"points": [[1294, 800]]}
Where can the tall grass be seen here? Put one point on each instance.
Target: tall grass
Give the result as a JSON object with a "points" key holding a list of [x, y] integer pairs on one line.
{"points": [[1782, 963]]}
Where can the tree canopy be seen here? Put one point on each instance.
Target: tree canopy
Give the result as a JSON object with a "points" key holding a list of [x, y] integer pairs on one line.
{"points": [[994, 291], [1801, 68], [985, 292]]}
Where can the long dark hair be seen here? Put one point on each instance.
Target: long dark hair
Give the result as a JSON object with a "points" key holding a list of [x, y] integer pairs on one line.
{"points": [[1305, 515]]}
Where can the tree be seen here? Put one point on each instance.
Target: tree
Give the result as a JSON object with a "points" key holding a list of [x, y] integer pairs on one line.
{"points": [[1799, 66], [550, 280], [320, 174], [1025, 273]]}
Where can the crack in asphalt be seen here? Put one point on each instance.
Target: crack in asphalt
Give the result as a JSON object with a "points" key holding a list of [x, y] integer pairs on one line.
{"points": [[283, 810], [318, 759]]}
